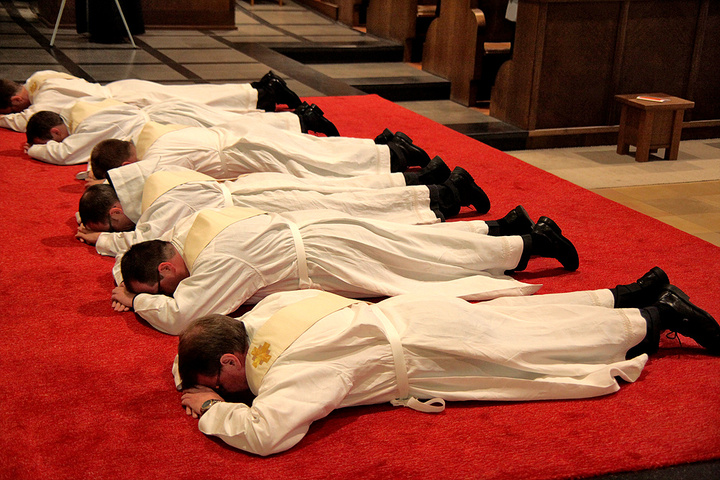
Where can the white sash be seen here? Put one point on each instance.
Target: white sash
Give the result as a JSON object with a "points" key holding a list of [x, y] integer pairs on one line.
{"points": [[283, 328], [434, 405]]}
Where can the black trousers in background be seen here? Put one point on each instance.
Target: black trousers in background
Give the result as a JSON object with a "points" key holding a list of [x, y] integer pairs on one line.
{"points": [[101, 19]]}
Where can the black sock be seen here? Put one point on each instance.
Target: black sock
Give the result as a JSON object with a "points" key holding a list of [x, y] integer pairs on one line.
{"points": [[651, 342], [411, 178], [265, 100], [435, 201], [494, 228]]}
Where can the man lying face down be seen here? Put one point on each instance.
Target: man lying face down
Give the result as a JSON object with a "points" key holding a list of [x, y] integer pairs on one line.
{"points": [[306, 353], [53, 91], [171, 195], [216, 260]]}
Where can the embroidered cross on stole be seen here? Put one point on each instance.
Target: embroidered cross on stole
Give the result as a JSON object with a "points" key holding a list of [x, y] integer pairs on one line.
{"points": [[37, 80], [283, 328]]}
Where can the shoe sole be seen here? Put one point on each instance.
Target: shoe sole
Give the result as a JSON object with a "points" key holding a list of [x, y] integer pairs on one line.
{"points": [[660, 273], [407, 139], [686, 298], [525, 215], [554, 226]]}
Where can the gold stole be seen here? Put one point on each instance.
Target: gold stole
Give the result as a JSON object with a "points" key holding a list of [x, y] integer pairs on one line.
{"points": [[207, 225], [151, 132], [36, 80], [161, 182], [283, 328], [81, 110]]}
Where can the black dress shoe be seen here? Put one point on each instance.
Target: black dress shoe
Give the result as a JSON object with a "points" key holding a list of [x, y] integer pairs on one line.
{"points": [[516, 222], [278, 88], [435, 173], [406, 154], [548, 241], [642, 293], [679, 315], [312, 119], [384, 137], [467, 191]]}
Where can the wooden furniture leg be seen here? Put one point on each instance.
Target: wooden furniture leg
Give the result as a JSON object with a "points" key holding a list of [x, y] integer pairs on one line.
{"points": [[671, 153], [623, 147], [644, 135]]}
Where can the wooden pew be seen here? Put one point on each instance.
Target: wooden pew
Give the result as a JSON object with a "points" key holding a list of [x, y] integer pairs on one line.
{"points": [[467, 44], [405, 21]]}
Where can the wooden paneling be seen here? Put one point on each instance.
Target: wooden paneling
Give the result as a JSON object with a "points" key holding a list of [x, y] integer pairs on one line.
{"points": [[395, 20], [571, 57], [704, 90]]}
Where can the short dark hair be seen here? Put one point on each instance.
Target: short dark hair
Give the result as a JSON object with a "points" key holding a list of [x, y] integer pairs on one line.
{"points": [[96, 202], [204, 342], [109, 154], [140, 263], [40, 124], [8, 89]]}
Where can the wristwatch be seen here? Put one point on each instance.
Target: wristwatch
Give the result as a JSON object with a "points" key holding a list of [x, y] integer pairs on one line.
{"points": [[207, 404]]}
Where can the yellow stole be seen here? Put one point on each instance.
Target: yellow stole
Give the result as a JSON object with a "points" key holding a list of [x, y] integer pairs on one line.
{"points": [[283, 328], [151, 132], [81, 110], [36, 80], [161, 182], [207, 225]]}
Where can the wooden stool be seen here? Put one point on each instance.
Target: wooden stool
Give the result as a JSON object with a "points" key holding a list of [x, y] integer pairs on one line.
{"points": [[651, 124]]}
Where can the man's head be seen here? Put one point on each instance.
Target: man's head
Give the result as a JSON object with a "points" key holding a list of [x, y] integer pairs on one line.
{"points": [[109, 154], [153, 267], [101, 211], [13, 97], [45, 126], [212, 353]]}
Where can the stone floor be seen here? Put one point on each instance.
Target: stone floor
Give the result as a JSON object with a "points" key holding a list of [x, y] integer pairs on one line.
{"points": [[320, 57]]}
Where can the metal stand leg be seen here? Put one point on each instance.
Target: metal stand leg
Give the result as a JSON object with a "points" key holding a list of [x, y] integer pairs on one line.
{"points": [[127, 29], [57, 23], [122, 16]]}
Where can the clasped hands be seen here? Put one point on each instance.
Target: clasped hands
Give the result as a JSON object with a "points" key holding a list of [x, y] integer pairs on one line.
{"points": [[193, 398], [122, 299]]}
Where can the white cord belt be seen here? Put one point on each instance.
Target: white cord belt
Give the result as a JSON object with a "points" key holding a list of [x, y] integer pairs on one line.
{"points": [[434, 405], [302, 268], [226, 195]]}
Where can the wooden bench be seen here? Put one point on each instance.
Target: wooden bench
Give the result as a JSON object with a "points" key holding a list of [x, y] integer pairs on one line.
{"points": [[466, 44]]}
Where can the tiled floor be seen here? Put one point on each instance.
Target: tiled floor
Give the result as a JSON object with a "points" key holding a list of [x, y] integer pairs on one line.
{"points": [[329, 59]]}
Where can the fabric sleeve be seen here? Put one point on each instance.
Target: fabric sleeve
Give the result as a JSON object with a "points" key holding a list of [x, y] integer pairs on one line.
{"points": [[111, 244], [76, 148], [219, 285], [73, 150], [17, 121], [283, 411]]}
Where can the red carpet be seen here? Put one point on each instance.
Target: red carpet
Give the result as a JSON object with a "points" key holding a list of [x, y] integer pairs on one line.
{"points": [[87, 393]]}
